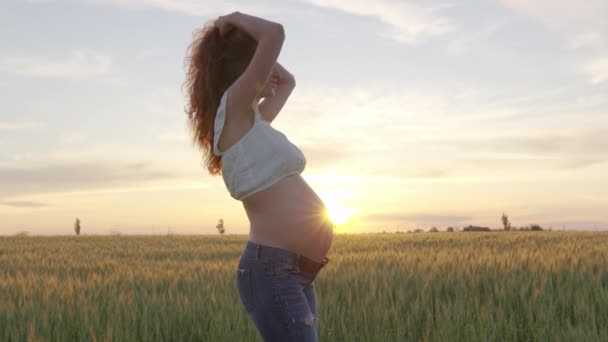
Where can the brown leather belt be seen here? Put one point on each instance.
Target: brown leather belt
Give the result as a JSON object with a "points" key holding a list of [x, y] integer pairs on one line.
{"points": [[309, 265], [304, 263]]}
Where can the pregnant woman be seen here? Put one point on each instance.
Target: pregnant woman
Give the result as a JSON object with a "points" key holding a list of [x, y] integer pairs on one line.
{"points": [[236, 89]]}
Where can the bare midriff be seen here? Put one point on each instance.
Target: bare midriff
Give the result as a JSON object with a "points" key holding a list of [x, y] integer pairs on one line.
{"points": [[290, 215]]}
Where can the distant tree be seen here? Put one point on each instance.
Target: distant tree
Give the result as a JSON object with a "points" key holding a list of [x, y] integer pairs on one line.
{"points": [[220, 226], [450, 230], [505, 222], [418, 230], [77, 226], [433, 230], [536, 227], [472, 228]]}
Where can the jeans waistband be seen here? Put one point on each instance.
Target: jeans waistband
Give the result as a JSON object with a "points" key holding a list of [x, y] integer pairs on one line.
{"points": [[259, 251]]}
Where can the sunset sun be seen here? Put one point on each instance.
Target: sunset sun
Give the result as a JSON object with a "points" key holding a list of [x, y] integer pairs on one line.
{"points": [[338, 213]]}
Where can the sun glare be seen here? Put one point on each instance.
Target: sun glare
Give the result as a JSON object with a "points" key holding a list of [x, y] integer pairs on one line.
{"points": [[339, 214]]}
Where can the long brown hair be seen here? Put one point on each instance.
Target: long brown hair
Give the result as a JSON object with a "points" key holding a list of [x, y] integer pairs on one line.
{"points": [[213, 63]]}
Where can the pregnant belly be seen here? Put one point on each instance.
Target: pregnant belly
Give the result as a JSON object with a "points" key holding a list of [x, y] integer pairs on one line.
{"points": [[290, 215]]}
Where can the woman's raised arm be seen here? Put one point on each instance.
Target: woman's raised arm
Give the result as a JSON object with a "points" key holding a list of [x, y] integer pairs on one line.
{"points": [[270, 37]]}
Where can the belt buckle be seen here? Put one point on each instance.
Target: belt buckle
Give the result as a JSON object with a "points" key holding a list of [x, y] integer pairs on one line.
{"points": [[301, 262], [324, 261]]}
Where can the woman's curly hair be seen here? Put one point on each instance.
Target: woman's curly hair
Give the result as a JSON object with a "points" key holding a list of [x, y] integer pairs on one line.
{"points": [[213, 63]]}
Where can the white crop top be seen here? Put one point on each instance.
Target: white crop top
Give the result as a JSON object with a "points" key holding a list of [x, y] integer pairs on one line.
{"points": [[259, 159]]}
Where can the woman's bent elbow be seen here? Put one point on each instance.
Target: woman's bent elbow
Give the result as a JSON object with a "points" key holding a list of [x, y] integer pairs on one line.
{"points": [[278, 31]]}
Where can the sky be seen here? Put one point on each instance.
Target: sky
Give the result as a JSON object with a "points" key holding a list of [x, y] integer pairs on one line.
{"points": [[411, 114]]}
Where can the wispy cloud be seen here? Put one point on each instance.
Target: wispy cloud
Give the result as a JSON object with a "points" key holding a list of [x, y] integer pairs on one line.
{"points": [[571, 17], [436, 128], [80, 63], [582, 23], [8, 126], [588, 40], [209, 8], [321, 154], [597, 70], [405, 21], [22, 204], [70, 176], [417, 172], [183, 6], [556, 150], [420, 218], [466, 40]]}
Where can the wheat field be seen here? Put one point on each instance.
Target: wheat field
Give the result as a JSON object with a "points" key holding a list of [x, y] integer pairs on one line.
{"points": [[499, 286]]}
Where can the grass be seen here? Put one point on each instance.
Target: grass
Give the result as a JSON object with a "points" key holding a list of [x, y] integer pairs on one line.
{"points": [[510, 286]]}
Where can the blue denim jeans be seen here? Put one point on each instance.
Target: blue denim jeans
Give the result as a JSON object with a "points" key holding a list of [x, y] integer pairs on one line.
{"points": [[278, 295]]}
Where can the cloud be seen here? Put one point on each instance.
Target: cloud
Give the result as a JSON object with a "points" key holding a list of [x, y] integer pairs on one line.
{"points": [[420, 218], [418, 172], [555, 150], [9, 126], [461, 44], [405, 21], [183, 6], [322, 155], [597, 70], [414, 132], [583, 23], [206, 8], [588, 40], [71, 176], [581, 162], [22, 204], [571, 17], [79, 64]]}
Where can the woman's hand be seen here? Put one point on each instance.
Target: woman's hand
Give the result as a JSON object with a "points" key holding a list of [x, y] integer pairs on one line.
{"points": [[226, 22], [282, 75]]}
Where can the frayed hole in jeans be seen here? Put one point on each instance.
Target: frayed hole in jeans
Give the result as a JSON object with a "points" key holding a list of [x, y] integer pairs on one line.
{"points": [[310, 319]]}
